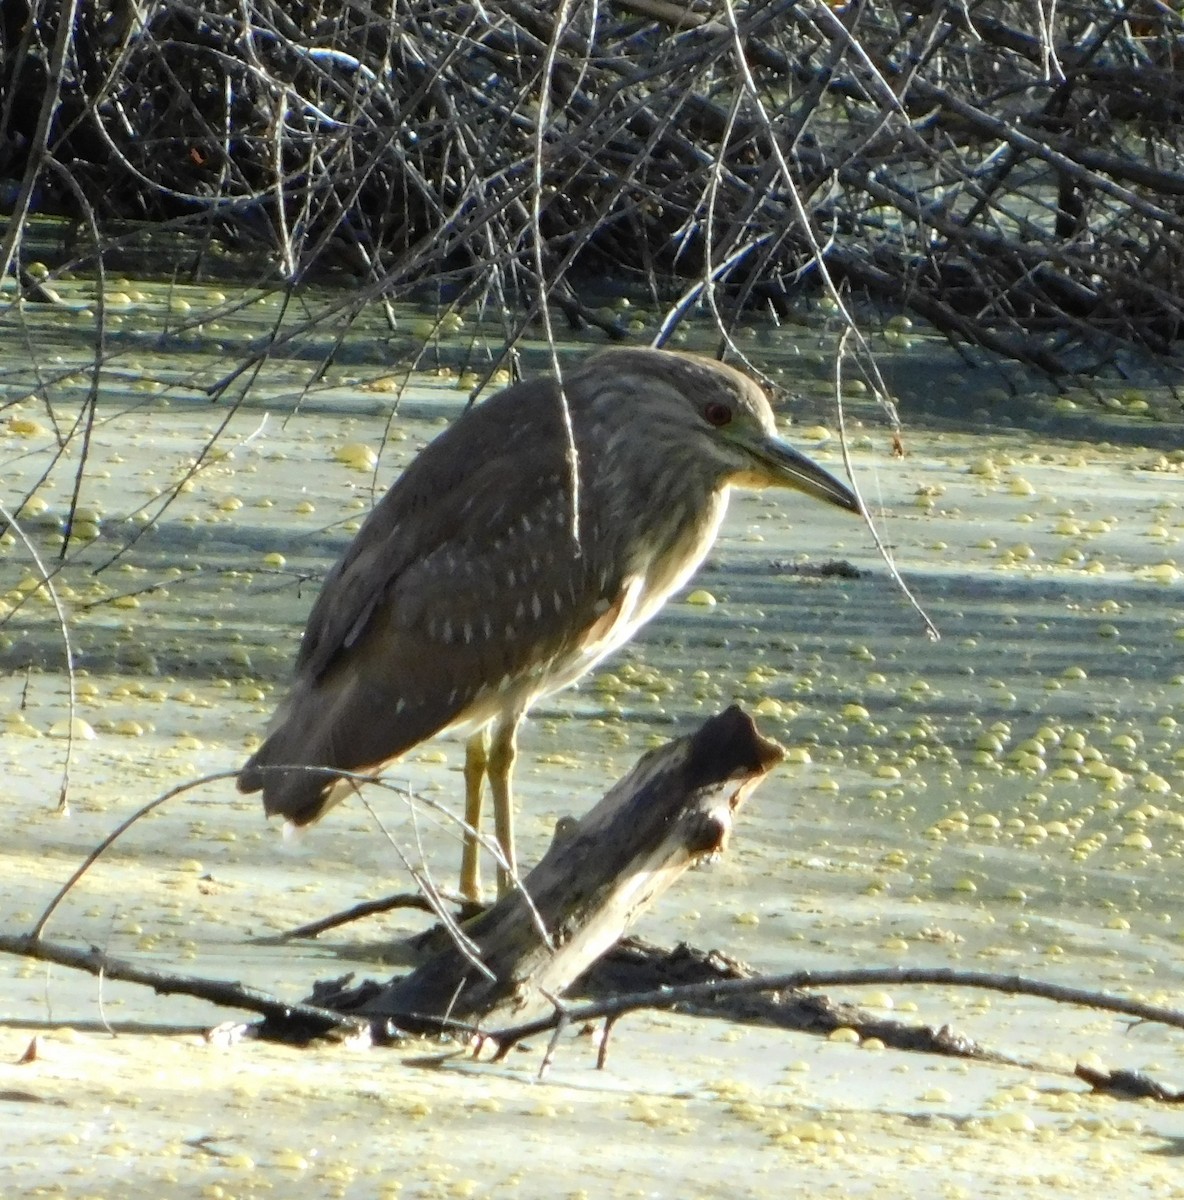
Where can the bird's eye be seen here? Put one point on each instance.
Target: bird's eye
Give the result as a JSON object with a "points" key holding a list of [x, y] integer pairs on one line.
{"points": [[717, 413]]}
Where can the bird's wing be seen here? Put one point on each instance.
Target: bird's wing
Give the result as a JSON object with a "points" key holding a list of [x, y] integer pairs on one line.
{"points": [[505, 610], [460, 486], [511, 601]]}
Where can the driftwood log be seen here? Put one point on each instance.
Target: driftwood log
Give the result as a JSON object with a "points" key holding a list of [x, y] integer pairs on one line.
{"points": [[675, 809]]}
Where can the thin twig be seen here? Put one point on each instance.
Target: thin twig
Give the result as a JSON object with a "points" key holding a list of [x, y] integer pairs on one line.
{"points": [[460, 939], [931, 629], [64, 628], [113, 837], [367, 908]]}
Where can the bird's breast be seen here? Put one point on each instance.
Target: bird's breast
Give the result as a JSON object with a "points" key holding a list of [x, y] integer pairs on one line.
{"points": [[659, 564]]}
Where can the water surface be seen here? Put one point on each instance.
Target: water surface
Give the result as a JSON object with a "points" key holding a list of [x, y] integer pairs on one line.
{"points": [[1007, 798]]}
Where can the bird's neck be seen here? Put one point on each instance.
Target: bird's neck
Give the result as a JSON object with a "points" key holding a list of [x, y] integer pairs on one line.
{"points": [[682, 543], [660, 515]]}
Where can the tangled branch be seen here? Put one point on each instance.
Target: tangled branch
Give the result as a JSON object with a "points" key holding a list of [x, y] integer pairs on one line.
{"points": [[1010, 174]]}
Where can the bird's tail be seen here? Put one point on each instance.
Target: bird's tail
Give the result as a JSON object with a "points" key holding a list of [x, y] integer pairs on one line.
{"points": [[322, 730], [284, 769], [299, 792]]}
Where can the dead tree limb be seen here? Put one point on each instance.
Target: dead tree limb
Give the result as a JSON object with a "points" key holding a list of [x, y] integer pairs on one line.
{"points": [[367, 908], [718, 992], [673, 810]]}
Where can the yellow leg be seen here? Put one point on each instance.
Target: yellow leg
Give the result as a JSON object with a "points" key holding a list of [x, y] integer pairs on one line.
{"points": [[502, 753], [476, 767]]}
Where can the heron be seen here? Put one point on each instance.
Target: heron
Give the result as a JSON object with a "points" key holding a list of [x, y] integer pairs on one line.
{"points": [[532, 538]]}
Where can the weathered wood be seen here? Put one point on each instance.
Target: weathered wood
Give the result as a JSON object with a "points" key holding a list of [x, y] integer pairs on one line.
{"points": [[673, 810]]}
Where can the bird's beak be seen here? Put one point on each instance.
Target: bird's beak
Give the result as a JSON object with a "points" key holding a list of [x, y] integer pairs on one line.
{"points": [[779, 465]]}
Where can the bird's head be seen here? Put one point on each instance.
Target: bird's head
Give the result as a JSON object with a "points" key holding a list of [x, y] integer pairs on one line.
{"points": [[705, 416]]}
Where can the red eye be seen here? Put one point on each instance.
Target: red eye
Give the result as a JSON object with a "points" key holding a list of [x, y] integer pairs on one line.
{"points": [[717, 413]]}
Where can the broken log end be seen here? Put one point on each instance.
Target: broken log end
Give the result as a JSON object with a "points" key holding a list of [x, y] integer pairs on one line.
{"points": [[730, 746]]}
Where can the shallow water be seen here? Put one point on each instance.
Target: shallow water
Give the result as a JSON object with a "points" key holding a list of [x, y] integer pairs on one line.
{"points": [[1008, 798]]}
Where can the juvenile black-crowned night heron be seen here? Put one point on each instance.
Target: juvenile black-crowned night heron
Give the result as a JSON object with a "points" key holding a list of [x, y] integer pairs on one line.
{"points": [[467, 594]]}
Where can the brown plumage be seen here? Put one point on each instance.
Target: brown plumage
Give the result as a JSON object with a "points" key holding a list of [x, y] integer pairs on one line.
{"points": [[466, 595]]}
